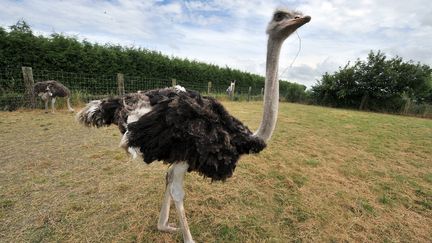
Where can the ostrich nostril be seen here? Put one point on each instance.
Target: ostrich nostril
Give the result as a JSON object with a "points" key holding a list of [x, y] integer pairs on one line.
{"points": [[296, 17]]}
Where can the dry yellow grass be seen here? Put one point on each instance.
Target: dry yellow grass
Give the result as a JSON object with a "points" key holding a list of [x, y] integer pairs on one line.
{"points": [[327, 175]]}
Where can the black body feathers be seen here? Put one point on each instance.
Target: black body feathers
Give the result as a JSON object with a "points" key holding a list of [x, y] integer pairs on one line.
{"points": [[54, 87], [181, 126]]}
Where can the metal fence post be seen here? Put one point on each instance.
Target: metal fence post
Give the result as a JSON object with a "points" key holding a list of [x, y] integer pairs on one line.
{"points": [[28, 84], [209, 86], [249, 92], [120, 84], [174, 82]]}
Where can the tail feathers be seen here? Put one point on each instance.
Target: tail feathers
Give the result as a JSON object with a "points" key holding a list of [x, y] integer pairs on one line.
{"points": [[100, 113]]}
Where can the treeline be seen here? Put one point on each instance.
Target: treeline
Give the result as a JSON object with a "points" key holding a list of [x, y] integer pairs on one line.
{"points": [[20, 47], [377, 84]]}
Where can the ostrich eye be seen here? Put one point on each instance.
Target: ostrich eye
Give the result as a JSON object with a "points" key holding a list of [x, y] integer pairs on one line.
{"points": [[278, 17]]}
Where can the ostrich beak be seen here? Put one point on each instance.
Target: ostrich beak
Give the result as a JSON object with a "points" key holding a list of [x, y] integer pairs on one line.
{"points": [[298, 21], [287, 27], [304, 19]]}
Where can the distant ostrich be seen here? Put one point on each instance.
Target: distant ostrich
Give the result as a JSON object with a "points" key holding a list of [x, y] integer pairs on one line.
{"points": [[50, 90], [189, 131], [231, 88]]}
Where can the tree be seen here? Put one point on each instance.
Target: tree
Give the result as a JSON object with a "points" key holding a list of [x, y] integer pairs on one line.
{"points": [[21, 26], [292, 92], [377, 84]]}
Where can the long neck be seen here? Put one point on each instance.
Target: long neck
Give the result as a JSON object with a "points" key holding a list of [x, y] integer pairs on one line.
{"points": [[271, 91]]}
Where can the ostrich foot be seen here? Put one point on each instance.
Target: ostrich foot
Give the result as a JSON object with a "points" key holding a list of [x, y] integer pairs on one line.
{"points": [[167, 228]]}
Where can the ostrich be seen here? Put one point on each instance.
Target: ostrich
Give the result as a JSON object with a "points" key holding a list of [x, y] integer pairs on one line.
{"points": [[50, 90], [189, 131], [230, 88]]}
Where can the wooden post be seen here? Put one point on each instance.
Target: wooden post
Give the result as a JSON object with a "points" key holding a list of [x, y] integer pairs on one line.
{"points": [[364, 101], [233, 92], [120, 84], [174, 82], [427, 111], [29, 96], [407, 106], [209, 85], [249, 92]]}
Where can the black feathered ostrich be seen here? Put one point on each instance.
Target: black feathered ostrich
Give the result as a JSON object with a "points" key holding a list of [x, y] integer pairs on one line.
{"points": [[192, 132], [50, 90]]}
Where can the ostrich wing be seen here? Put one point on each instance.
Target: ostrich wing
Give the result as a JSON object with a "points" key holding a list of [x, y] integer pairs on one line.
{"points": [[183, 126]]}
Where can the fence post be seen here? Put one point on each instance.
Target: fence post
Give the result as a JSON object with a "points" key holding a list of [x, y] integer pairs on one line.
{"points": [[233, 92], [28, 84], [427, 112], [174, 82], [120, 84], [209, 86], [364, 101], [262, 91], [249, 92], [407, 105]]}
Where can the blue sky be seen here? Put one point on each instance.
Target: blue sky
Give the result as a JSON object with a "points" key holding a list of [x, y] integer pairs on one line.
{"points": [[232, 33]]}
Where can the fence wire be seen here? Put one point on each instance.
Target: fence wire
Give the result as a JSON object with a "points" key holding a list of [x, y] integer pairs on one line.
{"points": [[85, 87]]}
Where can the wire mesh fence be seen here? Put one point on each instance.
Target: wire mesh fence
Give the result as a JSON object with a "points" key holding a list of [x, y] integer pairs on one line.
{"points": [[85, 87], [15, 84], [12, 89]]}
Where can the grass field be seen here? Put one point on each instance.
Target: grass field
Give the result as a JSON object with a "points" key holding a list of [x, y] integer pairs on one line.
{"points": [[328, 175]]}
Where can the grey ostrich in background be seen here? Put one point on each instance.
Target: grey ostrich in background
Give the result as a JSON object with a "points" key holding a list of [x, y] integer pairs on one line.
{"points": [[191, 132], [49, 91]]}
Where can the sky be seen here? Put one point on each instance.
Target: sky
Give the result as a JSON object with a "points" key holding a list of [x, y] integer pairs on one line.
{"points": [[232, 33]]}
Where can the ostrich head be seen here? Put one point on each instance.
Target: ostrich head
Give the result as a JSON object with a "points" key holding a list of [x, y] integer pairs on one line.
{"points": [[283, 23]]}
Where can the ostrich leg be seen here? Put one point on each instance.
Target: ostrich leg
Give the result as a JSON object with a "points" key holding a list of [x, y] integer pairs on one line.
{"points": [[175, 188], [69, 105], [46, 105], [166, 203], [52, 104]]}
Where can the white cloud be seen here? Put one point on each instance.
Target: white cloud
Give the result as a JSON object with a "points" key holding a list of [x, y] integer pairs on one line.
{"points": [[232, 33]]}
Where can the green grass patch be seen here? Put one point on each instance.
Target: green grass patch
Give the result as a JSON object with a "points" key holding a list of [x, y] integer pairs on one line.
{"points": [[227, 233], [312, 162], [299, 179]]}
